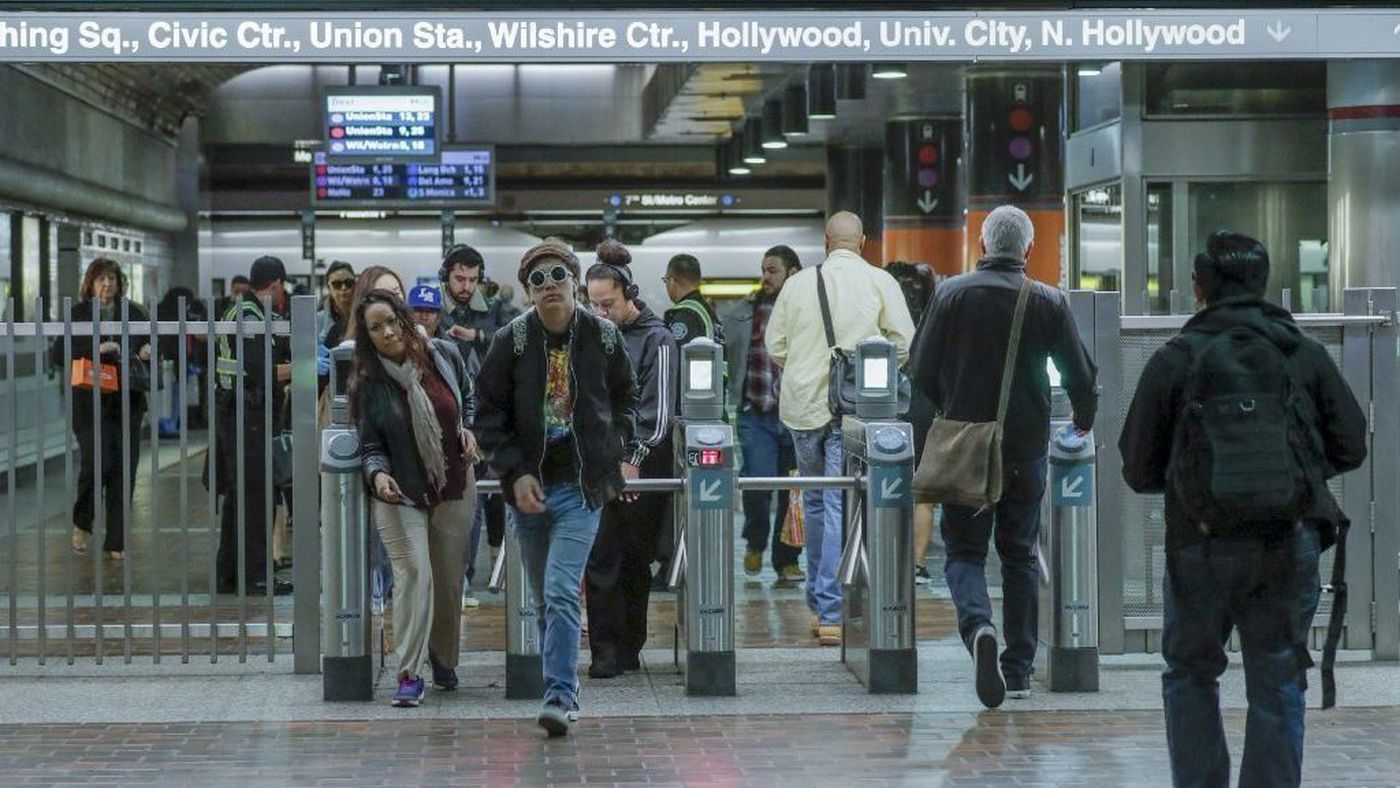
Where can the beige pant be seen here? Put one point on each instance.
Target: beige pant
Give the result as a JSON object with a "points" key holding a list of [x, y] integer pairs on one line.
{"points": [[428, 551]]}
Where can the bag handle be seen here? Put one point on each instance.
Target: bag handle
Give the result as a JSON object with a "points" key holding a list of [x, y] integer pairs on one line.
{"points": [[826, 310], [1018, 321]]}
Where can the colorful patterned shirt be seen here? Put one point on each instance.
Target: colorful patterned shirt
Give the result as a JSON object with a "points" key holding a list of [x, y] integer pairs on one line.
{"points": [[762, 381]]}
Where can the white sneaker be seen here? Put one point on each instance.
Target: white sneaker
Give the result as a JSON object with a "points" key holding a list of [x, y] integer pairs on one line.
{"points": [[469, 601]]}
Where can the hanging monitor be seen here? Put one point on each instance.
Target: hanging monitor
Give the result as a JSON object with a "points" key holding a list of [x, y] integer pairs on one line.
{"points": [[382, 125], [464, 178]]}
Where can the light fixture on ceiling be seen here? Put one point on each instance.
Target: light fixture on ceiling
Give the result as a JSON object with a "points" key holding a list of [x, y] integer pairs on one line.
{"points": [[734, 156], [772, 125], [850, 81], [753, 137], [889, 71], [1090, 69], [821, 91], [795, 110]]}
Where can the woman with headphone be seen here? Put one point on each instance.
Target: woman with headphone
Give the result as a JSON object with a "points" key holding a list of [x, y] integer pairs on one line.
{"points": [[618, 578]]}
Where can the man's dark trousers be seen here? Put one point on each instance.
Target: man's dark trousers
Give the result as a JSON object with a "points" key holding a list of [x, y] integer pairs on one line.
{"points": [[1015, 522]]}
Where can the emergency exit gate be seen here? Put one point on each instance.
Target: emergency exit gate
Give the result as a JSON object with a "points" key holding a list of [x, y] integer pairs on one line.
{"points": [[1131, 560]]}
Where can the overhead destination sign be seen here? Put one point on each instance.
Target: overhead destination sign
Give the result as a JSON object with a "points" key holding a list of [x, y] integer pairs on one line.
{"points": [[381, 124], [465, 177], [690, 36]]}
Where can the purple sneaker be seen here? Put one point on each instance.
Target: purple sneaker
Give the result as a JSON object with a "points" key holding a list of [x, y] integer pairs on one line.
{"points": [[410, 693]]}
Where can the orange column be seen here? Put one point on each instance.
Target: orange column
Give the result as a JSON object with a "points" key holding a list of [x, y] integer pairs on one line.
{"points": [[923, 193], [1016, 157]]}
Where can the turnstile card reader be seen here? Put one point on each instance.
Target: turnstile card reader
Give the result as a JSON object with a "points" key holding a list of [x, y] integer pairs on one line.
{"points": [[704, 530], [347, 667], [877, 570]]}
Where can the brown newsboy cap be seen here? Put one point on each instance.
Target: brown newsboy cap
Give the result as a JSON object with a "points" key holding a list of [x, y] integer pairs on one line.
{"points": [[549, 247]]}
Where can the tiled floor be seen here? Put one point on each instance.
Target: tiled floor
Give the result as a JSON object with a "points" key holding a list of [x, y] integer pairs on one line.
{"points": [[1345, 748]]}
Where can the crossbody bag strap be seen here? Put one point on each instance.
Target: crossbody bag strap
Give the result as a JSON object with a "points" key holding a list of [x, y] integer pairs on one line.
{"points": [[826, 310], [1008, 369]]}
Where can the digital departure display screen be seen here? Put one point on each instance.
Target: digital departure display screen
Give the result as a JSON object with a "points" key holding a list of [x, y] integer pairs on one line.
{"points": [[464, 177], [382, 125]]}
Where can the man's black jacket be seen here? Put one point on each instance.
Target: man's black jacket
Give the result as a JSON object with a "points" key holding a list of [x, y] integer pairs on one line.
{"points": [[957, 355], [511, 394], [1146, 441]]}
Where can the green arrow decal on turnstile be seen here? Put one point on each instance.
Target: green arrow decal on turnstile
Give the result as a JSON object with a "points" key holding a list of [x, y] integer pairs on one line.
{"points": [[889, 485], [710, 489]]}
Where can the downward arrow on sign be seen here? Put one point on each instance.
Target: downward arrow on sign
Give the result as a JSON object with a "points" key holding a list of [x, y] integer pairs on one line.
{"points": [[927, 202], [1072, 488], [1020, 179], [889, 488], [1279, 31]]}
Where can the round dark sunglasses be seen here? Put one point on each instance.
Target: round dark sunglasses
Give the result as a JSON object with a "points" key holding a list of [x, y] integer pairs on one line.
{"points": [[557, 274]]}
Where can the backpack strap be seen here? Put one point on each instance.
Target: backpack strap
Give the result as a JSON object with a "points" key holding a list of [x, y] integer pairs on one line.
{"points": [[1008, 367], [1338, 588]]}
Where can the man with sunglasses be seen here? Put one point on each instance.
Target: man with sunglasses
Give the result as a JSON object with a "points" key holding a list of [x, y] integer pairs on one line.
{"points": [[556, 419]]}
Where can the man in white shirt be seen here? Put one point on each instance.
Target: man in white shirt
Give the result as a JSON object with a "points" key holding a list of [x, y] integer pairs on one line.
{"points": [[865, 301]]}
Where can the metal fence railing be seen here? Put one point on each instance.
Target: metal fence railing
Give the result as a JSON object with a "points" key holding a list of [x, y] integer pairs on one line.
{"points": [[114, 422]]}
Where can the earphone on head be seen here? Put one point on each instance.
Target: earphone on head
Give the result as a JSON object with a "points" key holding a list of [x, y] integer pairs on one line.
{"points": [[630, 291], [445, 269]]}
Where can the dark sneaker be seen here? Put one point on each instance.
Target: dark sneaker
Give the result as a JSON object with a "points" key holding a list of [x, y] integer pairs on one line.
{"points": [[554, 718], [921, 575], [410, 693], [991, 687], [1018, 687], [630, 662], [279, 588], [604, 666], [444, 678]]}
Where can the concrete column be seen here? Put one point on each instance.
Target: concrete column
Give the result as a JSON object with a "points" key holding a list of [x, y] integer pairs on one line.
{"points": [[854, 183], [1363, 105], [1015, 151], [924, 193], [189, 168]]}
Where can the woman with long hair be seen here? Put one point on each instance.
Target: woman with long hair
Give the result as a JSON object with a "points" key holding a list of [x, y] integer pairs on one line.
{"points": [[413, 405], [334, 316], [376, 277], [106, 283]]}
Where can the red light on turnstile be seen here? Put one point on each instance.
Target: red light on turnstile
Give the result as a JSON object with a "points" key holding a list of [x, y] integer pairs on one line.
{"points": [[711, 457]]}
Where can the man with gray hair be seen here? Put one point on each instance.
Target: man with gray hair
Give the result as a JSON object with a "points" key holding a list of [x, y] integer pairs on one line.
{"points": [[957, 361]]}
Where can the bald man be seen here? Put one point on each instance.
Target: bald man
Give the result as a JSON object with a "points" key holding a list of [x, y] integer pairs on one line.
{"points": [[864, 301]]}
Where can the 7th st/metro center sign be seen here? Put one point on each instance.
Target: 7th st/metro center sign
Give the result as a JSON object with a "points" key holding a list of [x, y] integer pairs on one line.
{"points": [[661, 36]]}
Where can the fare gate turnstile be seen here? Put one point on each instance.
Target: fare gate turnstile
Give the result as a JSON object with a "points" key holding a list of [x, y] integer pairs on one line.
{"points": [[1068, 553], [702, 569], [877, 578], [347, 667]]}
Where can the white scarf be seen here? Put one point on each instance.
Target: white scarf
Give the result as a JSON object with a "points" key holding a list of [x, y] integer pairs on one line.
{"points": [[427, 430]]}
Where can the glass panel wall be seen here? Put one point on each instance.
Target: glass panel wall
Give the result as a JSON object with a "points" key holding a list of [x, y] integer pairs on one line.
{"points": [[1289, 218], [1098, 96], [1162, 287], [1098, 239], [1236, 89]]}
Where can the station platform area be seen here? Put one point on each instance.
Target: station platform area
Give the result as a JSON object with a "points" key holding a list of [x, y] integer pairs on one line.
{"points": [[800, 718]]}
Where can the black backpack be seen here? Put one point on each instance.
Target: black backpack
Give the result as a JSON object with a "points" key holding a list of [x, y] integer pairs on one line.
{"points": [[1243, 454]]}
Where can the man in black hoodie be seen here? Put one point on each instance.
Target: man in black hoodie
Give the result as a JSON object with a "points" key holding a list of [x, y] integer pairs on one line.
{"points": [[1261, 578], [618, 580]]}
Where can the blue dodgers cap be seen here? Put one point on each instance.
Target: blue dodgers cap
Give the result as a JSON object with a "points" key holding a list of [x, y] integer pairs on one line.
{"points": [[425, 297]]}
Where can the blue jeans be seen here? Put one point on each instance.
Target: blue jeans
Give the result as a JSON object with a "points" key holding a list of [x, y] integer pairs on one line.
{"points": [[819, 454], [1268, 591], [554, 547], [767, 452], [1014, 523]]}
